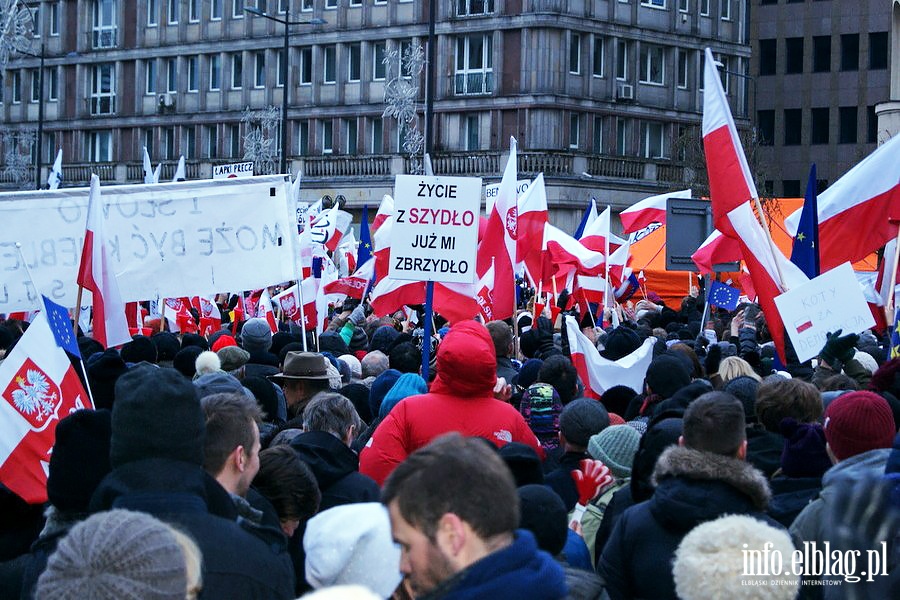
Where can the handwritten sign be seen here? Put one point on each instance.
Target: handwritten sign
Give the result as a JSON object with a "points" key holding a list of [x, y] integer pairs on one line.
{"points": [[831, 301], [435, 234], [233, 170]]}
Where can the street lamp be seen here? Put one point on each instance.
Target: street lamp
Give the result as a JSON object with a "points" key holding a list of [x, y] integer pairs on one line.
{"points": [[286, 21]]}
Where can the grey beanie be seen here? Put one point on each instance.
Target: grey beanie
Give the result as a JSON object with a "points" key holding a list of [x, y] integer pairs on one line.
{"points": [[113, 555], [615, 447], [256, 335], [582, 418], [217, 383]]}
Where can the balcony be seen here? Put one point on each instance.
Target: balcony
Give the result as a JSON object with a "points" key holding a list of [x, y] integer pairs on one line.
{"points": [[474, 83], [103, 37]]}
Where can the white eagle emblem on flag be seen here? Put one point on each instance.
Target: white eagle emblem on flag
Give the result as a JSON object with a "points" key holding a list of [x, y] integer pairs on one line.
{"points": [[34, 395]]}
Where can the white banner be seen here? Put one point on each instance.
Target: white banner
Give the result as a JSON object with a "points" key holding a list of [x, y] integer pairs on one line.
{"points": [[193, 238]]}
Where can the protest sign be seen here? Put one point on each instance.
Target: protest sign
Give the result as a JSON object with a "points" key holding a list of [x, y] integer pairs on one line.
{"points": [[435, 231], [491, 190], [831, 301], [233, 170], [192, 238]]}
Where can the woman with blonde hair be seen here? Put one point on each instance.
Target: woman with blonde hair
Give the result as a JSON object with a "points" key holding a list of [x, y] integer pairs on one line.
{"points": [[734, 366]]}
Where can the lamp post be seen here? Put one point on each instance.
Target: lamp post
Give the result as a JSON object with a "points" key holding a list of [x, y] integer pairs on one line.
{"points": [[286, 21]]}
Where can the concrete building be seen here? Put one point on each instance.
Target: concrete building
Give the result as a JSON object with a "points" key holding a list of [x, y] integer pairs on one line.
{"points": [[598, 92], [889, 112]]}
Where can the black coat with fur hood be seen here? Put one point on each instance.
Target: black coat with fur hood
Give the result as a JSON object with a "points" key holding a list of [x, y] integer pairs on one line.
{"points": [[692, 487]]}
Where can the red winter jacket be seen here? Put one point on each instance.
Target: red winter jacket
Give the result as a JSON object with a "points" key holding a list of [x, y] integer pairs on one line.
{"points": [[461, 399]]}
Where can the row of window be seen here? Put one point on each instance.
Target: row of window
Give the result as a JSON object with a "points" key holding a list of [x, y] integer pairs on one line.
{"points": [[795, 53], [20, 78], [819, 125], [173, 8], [37, 15], [684, 6]]}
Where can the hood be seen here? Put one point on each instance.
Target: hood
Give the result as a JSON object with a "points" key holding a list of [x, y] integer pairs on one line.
{"points": [[858, 467], [466, 362], [326, 456]]}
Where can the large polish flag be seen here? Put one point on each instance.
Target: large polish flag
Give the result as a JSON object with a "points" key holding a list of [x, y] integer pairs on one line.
{"points": [[715, 250], [96, 274], [483, 295], [532, 216], [599, 237], [354, 285], [381, 242], [454, 301], [647, 211], [731, 190], [859, 212], [564, 254], [385, 211], [498, 247]]}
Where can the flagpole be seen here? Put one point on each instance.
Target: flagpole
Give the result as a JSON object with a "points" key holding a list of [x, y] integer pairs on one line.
{"points": [[889, 306], [775, 251], [77, 310], [426, 341]]}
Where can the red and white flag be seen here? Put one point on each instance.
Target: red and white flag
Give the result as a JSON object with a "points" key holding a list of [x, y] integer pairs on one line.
{"points": [[134, 314], [354, 285], [96, 274], [264, 310], [385, 211], [597, 235], [484, 297], [599, 374], [330, 226], [715, 250], [591, 217], [290, 303], [647, 211], [210, 316], [453, 301], [731, 190], [39, 387], [381, 241], [178, 314], [532, 216], [564, 254]]}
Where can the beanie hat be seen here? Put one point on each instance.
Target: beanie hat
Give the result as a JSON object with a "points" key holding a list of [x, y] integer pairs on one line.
{"points": [[139, 349], [528, 374], [80, 459], [380, 387], [867, 361], [223, 341], [666, 375], [354, 364], [524, 463], [215, 336], [358, 394], [363, 554], [409, 384], [87, 346], [266, 396], [207, 362], [615, 419], [711, 559], [331, 341], [185, 362], [858, 422], [256, 335], [744, 388], [103, 370], [193, 339], [582, 418], [359, 340], [804, 453], [157, 415], [383, 339], [280, 339], [541, 408], [616, 446], [620, 342], [113, 555], [217, 383], [232, 358], [617, 398], [543, 513], [167, 345]]}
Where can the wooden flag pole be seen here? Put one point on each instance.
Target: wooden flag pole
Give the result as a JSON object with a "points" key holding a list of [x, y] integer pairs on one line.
{"points": [[77, 310], [775, 251]]}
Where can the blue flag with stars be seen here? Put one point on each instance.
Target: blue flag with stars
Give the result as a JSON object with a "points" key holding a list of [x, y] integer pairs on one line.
{"points": [[805, 253], [364, 250], [61, 326], [723, 296], [895, 335]]}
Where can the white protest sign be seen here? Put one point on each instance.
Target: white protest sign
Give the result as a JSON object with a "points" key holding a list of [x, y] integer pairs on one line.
{"points": [[165, 240], [491, 191], [831, 301], [233, 170], [435, 233]]}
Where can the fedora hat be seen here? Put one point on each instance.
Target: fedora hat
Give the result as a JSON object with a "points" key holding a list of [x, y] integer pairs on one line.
{"points": [[303, 365]]}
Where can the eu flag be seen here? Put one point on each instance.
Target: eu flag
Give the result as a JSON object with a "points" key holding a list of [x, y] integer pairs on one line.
{"points": [[723, 296], [895, 336], [805, 253], [61, 326], [364, 250]]}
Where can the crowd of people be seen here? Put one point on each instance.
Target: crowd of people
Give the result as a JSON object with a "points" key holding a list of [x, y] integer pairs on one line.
{"points": [[252, 464]]}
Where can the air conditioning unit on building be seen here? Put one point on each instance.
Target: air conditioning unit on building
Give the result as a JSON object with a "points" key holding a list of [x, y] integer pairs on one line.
{"points": [[625, 91], [165, 102]]}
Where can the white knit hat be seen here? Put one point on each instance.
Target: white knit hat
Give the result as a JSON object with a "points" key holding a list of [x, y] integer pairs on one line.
{"points": [[352, 544], [353, 363]]}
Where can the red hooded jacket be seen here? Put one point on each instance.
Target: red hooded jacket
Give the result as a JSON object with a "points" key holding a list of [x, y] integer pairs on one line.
{"points": [[461, 399]]}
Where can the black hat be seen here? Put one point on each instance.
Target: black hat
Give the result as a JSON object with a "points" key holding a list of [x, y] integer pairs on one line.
{"points": [[103, 370], [139, 349], [543, 513], [331, 341], [524, 463], [157, 415], [185, 362], [581, 418], [620, 342], [167, 345], [80, 459], [193, 339], [666, 375]]}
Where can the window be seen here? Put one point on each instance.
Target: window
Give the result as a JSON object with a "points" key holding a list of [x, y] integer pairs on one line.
{"points": [[148, 141], [354, 58], [306, 66], [682, 69], [172, 11], [234, 140], [472, 133], [878, 50], [378, 67], [871, 125], [793, 125], [54, 18], [574, 130], [653, 140], [819, 121], [306, 5], [194, 11], [103, 89], [212, 141], [724, 70], [355, 2], [768, 56], [152, 13], [376, 142], [259, 69], [150, 76], [821, 53], [405, 47], [350, 135], [474, 64], [169, 142], [36, 21], [303, 138], [103, 20], [654, 3], [725, 10], [765, 120], [283, 6], [193, 78], [171, 74], [574, 53], [330, 4], [704, 8], [327, 142], [215, 10], [279, 78], [189, 145], [237, 71], [622, 134], [598, 134], [99, 145], [52, 75], [17, 87], [793, 55], [215, 73], [35, 85], [850, 52], [683, 5], [652, 65], [598, 59], [791, 188], [847, 122], [467, 8], [622, 60], [237, 9], [328, 72]]}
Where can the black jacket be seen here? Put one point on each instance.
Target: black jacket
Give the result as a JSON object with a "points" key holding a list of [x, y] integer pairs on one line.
{"points": [[506, 369], [764, 449], [790, 495], [692, 487], [237, 563], [560, 479], [336, 468]]}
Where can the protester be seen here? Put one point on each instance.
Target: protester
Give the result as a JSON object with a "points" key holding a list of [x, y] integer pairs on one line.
{"points": [[303, 375], [502, 336], [289, 485], [580, 419]]}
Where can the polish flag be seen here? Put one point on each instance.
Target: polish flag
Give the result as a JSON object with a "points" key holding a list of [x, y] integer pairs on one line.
{"points": [[291, 304], [618, 262], [96, 274], [593, 289], [599, 374], [354, 285], [39, 388], [563, 253], [715, 250], [858, 213], [184, 320], [329, 227], [598, 234], [731, 190], [148, 168], [499, 242], [345, 256], [210, 316], [453, 301], [483, 296], [306, 247], [381, 241], [264, 310], [532, 216], [649, 210], [385, 211], [134, 316]]}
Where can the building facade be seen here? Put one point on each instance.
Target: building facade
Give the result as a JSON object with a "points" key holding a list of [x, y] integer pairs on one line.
{"points": [[600, 94]]}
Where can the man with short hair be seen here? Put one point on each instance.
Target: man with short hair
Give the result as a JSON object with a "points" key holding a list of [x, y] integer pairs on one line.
{"points": [[304, 374], [454, 512], [703, 478], [373, 364], [501, 335], [579, 420]]}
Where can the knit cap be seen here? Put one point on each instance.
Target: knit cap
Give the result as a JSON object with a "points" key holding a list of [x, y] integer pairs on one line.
{"points": [[217, 383], [185, 362], [80, 459], [114, 555], [666, 375], [232, 358], [541, 408], [256, 335], [616, 446], [543, 513], [528, 374], [620, 342], [380, 387], [858, 422], [364, 554], [409, 384], [582, 418], [804, 453], [354, 364], [223, 341], [139, 349], [383, 338], [167, 345]]}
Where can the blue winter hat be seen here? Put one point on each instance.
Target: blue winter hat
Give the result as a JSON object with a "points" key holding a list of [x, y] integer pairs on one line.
{"points": [[382, 339], [380, 387], [409, 384]]}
